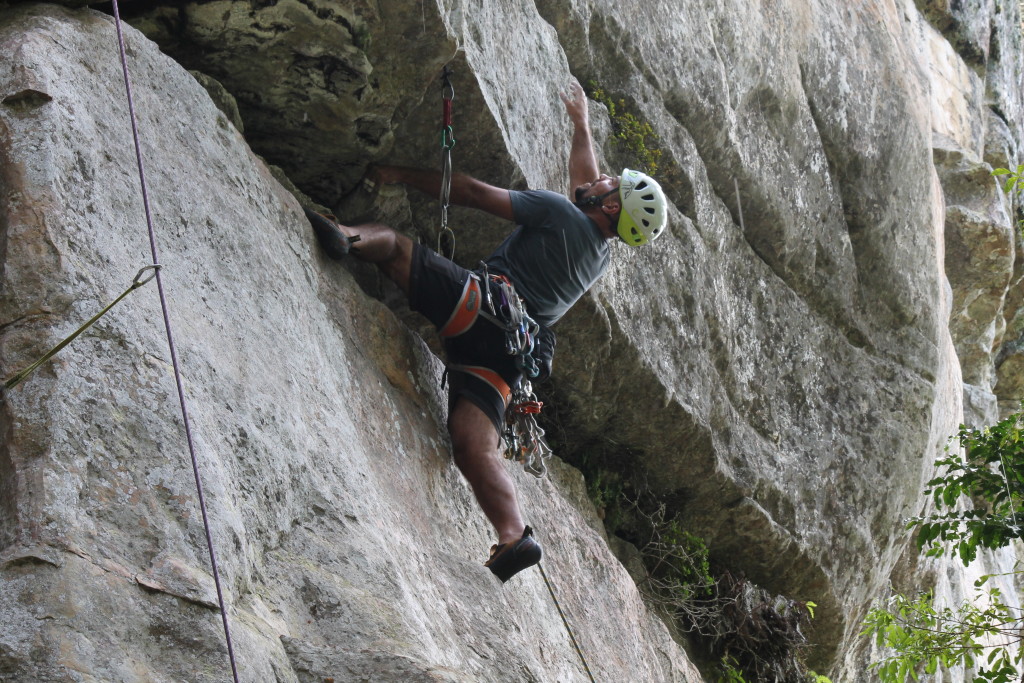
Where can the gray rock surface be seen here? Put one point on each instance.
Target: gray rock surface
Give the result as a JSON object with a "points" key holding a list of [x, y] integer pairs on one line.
{"points": [[349, 547], [839, 291]]}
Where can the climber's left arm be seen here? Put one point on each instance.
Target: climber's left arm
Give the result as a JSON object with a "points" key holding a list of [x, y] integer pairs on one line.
{"points": [[465, 190]]}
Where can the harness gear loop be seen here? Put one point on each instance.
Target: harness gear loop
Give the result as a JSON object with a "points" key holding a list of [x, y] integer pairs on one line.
{"points": [[136, 283], [447, 142], [524, 439], [510, 314]]}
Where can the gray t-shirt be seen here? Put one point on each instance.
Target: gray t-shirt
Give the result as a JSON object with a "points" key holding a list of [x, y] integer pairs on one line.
{"points": [[553, 257]]}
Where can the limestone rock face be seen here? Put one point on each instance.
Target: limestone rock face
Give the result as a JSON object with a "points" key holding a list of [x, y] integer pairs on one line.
{"points": [[839, 290], [349, 547]]}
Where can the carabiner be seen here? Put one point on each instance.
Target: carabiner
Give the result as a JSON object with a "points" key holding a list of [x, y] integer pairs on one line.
{"points": [[139, 281], [447, 138], [446, 84]]}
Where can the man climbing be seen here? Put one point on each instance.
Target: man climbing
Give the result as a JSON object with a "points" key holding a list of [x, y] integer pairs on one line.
{"points": [[559, 249]]}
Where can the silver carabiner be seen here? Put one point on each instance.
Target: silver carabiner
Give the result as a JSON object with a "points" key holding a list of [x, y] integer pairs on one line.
{"points": [[139, 281]]}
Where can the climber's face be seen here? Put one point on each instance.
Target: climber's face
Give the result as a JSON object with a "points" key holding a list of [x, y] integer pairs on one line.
{"points": [[601, 185]]}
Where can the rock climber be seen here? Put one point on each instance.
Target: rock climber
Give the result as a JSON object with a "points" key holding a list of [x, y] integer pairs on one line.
{"points": [[557, 251]]}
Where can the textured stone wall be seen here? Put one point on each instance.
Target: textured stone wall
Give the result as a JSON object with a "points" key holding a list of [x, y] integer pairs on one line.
{"points": [[839, 290], [349, 547]]}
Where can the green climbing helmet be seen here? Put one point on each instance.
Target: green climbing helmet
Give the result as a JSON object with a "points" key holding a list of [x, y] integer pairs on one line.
{"points": [[643, 216]]}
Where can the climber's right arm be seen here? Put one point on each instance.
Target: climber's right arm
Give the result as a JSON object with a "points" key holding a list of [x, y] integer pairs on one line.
{"points": [[582, 161]]}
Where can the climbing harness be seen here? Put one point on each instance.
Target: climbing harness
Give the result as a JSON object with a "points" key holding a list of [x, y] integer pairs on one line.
{"points": [[447, 142], [142, 277], [486, 375], [170, 342], [565, 622], [524, 439], [508, 313]]}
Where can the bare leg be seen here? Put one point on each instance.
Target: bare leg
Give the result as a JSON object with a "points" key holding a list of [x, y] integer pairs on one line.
{"points": [[390, 250], [474, 440], [476, 455]]}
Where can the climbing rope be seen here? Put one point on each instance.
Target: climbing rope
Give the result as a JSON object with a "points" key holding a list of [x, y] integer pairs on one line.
{"points": [[447, 142], [136, 283], [170, 341], [568, 629]]}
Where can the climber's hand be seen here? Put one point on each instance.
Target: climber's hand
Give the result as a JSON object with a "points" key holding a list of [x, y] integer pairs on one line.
{"points": [[377, 176]]}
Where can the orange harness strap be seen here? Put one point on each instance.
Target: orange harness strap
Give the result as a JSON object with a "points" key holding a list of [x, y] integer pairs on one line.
{"points": [[466, 311], [487, 375]]}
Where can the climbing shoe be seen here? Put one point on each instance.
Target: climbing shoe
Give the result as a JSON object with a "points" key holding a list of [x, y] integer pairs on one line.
{"points": [[508, 559], [329, 235]]}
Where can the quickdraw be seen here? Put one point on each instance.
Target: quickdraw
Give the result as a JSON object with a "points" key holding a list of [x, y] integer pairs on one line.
{"points": [[447, 142], [510, 314], [524, 439], [142, 277]]}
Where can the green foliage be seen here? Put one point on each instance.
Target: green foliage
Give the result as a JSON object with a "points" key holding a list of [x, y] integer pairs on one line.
{"points": [[678, 567], [1014, 179], [926, 638], [980, 496], [991, 474], [1014, 182], [728, 671], [605, 490], [632, 133], [691, 568]]}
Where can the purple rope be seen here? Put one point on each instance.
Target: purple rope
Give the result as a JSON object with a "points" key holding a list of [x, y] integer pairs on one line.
{"points": [[170, 343]]}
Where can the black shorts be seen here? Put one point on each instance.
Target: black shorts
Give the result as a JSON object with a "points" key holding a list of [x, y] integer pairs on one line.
{"points": [[479, 369]]}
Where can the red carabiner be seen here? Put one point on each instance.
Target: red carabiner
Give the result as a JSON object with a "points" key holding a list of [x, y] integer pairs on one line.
{"points": [[529, 407]]}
